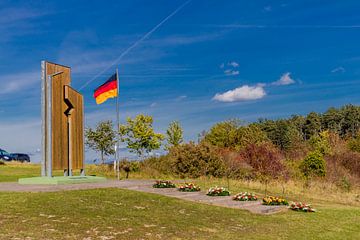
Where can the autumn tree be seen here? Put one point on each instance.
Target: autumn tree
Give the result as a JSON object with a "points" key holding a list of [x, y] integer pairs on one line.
{"points": [[195, 160], [354, 144], [266, 161], [102, 138]]}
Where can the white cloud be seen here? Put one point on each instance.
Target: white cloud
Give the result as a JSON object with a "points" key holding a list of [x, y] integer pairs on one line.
{"points": [[153, 104], [338, 69], [233, 64], [243, 93], [231, 68], [230, 72], [285, 79], [180, 98], [19, 82]]}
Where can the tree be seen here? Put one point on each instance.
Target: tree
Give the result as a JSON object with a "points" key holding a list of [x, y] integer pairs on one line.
{"points": [[139, 135], [281, 132], [351, 120], [102, 138], [312, 124], [232, 134], [174, 134], [321, 143], [313, 165], [129, 166], [354, 144], [195, 160], [299, 123], [223, 134], [332, 120], [251, 134], [266, 161]]}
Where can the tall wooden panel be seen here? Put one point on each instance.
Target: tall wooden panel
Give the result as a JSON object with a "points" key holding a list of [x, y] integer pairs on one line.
{"points": [[75, 113], [60, 135], [62, 121]]}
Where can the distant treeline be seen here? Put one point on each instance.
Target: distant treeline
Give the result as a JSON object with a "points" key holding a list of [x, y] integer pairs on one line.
{"points": [[344, 121]]}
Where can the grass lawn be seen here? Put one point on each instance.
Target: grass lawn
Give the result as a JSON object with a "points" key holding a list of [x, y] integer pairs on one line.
{"points": [[11, 172], [124, 214]]}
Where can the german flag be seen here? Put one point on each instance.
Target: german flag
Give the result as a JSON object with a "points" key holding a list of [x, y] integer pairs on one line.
{"points": [[107, 90]]}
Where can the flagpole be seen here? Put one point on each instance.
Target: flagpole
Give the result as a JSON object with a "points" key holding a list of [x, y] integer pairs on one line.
{"points": [[117, 126]]}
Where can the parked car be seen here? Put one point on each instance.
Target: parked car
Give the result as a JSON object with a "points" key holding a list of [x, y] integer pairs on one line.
{"points": [[4, 155], [22, 157]]}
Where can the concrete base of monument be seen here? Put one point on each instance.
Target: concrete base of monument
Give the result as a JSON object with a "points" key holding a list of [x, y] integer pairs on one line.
{"points": [[61, 180]]}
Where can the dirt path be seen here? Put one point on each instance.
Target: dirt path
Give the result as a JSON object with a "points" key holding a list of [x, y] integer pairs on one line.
{"points": [[146, 186]]}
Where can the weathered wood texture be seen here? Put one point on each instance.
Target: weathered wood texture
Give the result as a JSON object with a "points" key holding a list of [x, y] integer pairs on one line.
{"points": [[59, 120], [75, 103], [61, 141]]}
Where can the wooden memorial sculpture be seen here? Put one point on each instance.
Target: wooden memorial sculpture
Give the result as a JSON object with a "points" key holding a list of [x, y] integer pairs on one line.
{"points": [[62, 122]]}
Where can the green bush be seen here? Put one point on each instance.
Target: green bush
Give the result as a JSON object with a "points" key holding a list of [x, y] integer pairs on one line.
{"points": [[155, 166], [195, 160], [129, 166], [354, 144], [345, 184], [321, 143], [313, 165]]}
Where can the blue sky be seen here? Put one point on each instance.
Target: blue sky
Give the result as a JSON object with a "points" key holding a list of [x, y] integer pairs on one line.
{"points": [[211, 61]]}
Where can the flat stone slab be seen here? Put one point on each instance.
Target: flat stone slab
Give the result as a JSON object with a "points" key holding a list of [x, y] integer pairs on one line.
{"points": [[61, 180], [146, 186]]}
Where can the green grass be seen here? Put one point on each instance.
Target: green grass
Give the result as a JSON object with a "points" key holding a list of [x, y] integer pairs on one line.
{"points": [[11, 172], [319, 193], [124, 214]]}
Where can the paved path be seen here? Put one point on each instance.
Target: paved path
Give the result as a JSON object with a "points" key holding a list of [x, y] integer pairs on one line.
{"points": [[146, 186]]}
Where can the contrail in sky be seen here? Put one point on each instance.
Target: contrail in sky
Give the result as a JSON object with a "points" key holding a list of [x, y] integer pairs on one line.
{"points": [[245, 26], [137, 43]]}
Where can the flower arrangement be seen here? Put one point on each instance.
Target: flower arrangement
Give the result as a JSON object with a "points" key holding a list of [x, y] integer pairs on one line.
{"points": [[299, 206], [271, 200], [189, 187], [245, 196], [218, 191], [164, 184]]}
